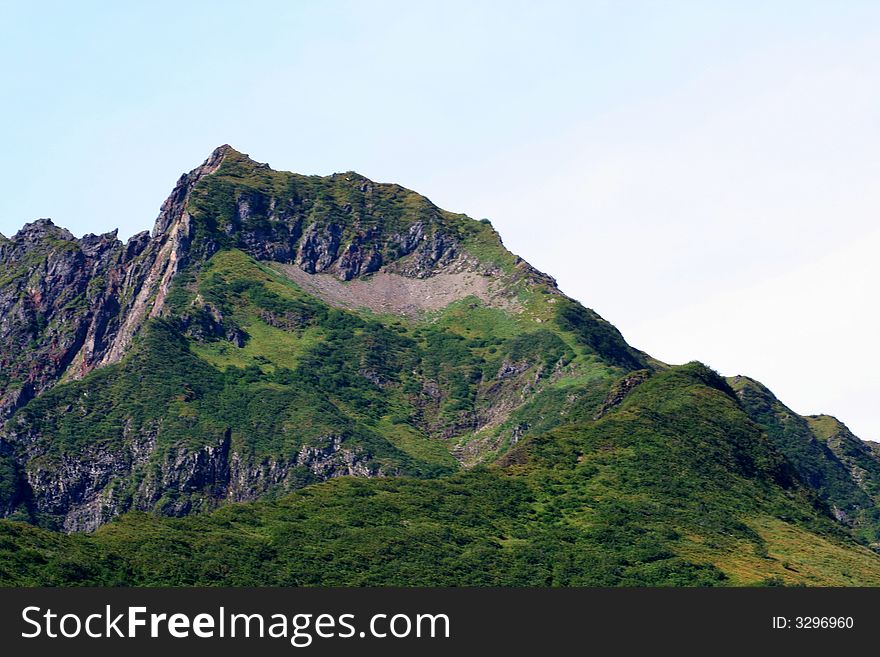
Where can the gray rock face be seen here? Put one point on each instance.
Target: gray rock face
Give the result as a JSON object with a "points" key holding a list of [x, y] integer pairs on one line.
{"points": [[59, 299], [88, 490], [427, 252], [509, 369], [359, 258], [620, 390], [319, 247], [69, 305]]}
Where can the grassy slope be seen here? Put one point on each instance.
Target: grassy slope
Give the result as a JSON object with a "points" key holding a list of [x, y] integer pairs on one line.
{"points": [[843, 470], [673, 487], [459, 349]]}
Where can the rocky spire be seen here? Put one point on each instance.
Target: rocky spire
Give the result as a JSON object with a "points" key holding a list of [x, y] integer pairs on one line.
{"points": [[175, 204], [39, 229]]}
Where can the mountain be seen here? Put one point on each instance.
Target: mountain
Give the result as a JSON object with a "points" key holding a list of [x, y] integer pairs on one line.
{"points": [[327, 380]]}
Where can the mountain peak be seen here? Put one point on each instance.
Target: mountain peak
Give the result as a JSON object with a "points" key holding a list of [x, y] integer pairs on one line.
{"points": [[222, 151], [175, 203], [40, 229]]}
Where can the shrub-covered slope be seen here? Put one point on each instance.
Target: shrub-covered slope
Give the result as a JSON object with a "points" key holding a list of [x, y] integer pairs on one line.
{"points": [[673, 486], [843, 470]]}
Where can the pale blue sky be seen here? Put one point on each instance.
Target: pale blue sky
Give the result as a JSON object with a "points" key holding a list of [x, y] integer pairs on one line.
{"points": [[704, 174]]}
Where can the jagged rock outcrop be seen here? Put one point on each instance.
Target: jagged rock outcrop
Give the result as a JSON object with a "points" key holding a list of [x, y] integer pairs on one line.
{"points": [[60, 302], [69, 305], [86, 490], [620, 390]]}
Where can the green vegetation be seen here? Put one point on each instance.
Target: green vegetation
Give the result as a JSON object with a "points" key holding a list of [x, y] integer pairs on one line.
{"points": [[673, 487], [375, 370], [842, 470], [597, 335]]}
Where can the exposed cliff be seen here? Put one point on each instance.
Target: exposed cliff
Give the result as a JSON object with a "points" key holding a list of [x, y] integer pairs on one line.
{"points": [[69, 305]]}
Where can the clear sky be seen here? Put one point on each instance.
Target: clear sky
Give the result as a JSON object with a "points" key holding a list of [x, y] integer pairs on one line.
{"points": [[703, 174]]}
